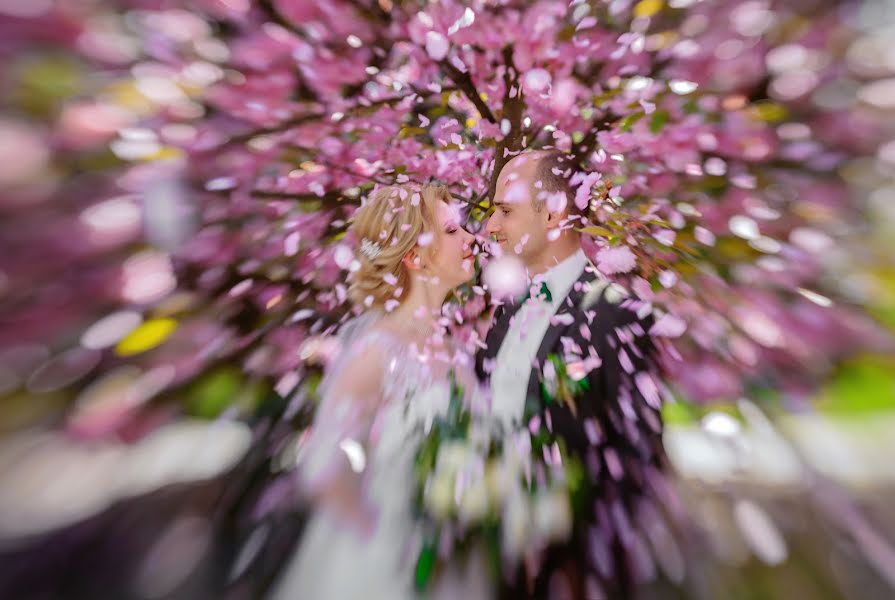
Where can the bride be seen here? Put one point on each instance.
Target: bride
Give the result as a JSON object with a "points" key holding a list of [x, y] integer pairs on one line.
{"points": [[391, 376]]}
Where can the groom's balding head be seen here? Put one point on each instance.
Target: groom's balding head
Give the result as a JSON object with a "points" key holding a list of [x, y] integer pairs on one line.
{"points": [[540, 173]]}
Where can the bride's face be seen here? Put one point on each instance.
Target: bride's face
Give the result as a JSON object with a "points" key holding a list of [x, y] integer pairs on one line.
{"points": [[450, 254]]}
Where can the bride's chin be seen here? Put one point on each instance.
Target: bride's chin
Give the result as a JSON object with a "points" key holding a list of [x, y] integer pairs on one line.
{"points": [[462, 277]]}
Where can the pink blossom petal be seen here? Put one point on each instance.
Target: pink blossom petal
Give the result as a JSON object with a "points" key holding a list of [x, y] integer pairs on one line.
{"points": [[665, 237], [536, 81], [343, 256], [617, 259], [704, 236], [437, 45], [505, 276], [517, 193], [585, 331], [290, 245], [667, 278], [668, 326]]}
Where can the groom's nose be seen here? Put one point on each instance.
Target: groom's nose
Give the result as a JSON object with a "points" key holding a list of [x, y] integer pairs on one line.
{"points": [[491, 225]]}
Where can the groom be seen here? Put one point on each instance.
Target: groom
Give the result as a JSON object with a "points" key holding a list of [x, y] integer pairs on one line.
{"points": [[573, 312]]}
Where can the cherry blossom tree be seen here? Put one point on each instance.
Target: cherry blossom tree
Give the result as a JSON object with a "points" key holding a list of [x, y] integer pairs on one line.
{"points": [[714, 167], [230, 142], [178, 179]]}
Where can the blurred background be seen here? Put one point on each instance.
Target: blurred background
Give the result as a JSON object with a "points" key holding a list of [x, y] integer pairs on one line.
{"points": [[176, 181]]}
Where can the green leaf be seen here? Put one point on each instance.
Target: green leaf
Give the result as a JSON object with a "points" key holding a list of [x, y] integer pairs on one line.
{"points": [[628, 122], [45, 82], [865, 385], [407, 132], [425, 565], [596, 230], [678, 413], [658, 120], [492, 548], [214, 392]]}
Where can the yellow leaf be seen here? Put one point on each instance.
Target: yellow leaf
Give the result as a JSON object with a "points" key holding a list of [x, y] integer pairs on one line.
{"points": [[647, 8], [126, 95], [164, 153], [146, 337], [770, 112]]}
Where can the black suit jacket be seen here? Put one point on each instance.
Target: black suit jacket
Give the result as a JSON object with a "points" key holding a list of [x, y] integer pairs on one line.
{"points": [[616, 429]]}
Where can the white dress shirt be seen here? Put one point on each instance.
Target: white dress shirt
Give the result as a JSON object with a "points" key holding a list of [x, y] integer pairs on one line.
{"points": [[514, 360]]}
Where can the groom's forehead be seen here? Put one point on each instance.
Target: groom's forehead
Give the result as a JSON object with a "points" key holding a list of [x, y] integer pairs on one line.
{"points": [[522, 162], [520, 168]]}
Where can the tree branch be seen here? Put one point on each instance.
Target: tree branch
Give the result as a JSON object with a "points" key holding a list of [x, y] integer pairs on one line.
{"points": [[608, 118], [270, 11], [331, 199], [466, 85], [512, 112], [589, 142], [374, 13], [294, 122]]}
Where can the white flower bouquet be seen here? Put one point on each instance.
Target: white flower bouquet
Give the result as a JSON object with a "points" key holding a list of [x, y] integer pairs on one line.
{"points": [[509, 492]]}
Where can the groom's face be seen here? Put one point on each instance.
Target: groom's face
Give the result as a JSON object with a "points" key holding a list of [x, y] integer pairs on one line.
{"points": [[516, 225]]}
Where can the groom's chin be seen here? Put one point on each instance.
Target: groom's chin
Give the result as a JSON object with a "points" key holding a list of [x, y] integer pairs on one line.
{"points": [[497, 248]]}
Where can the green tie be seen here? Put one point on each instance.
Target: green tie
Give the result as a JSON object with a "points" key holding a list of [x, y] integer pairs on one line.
{"points": [[543, 292]]}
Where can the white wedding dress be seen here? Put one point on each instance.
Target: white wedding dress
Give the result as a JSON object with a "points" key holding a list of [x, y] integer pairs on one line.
{"points": [[335, 561]]}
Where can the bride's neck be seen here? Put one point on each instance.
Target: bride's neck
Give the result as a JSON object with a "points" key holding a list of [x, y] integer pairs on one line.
{"points": [[422, 305]]}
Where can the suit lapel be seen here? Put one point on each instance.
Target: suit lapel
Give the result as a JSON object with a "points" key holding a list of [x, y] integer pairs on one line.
{"points": [[495, 336], [570, 306]]}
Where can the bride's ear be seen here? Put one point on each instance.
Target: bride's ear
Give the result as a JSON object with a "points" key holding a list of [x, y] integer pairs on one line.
{"points": [[411, 260]]}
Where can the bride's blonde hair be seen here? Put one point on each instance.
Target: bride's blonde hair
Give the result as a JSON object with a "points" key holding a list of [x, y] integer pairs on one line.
{"points": [[387, 227]]}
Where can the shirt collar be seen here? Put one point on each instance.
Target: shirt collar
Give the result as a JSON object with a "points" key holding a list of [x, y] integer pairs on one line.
{"points": [[561, 276]]}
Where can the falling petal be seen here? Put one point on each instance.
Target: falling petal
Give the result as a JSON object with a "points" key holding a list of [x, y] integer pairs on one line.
{"points": [[437, 45], [355, 453], [109, 330], [720, 424], [668, 325], [617, 259], [759, 531], [536, 81], [744, 227], [505, 276]]}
